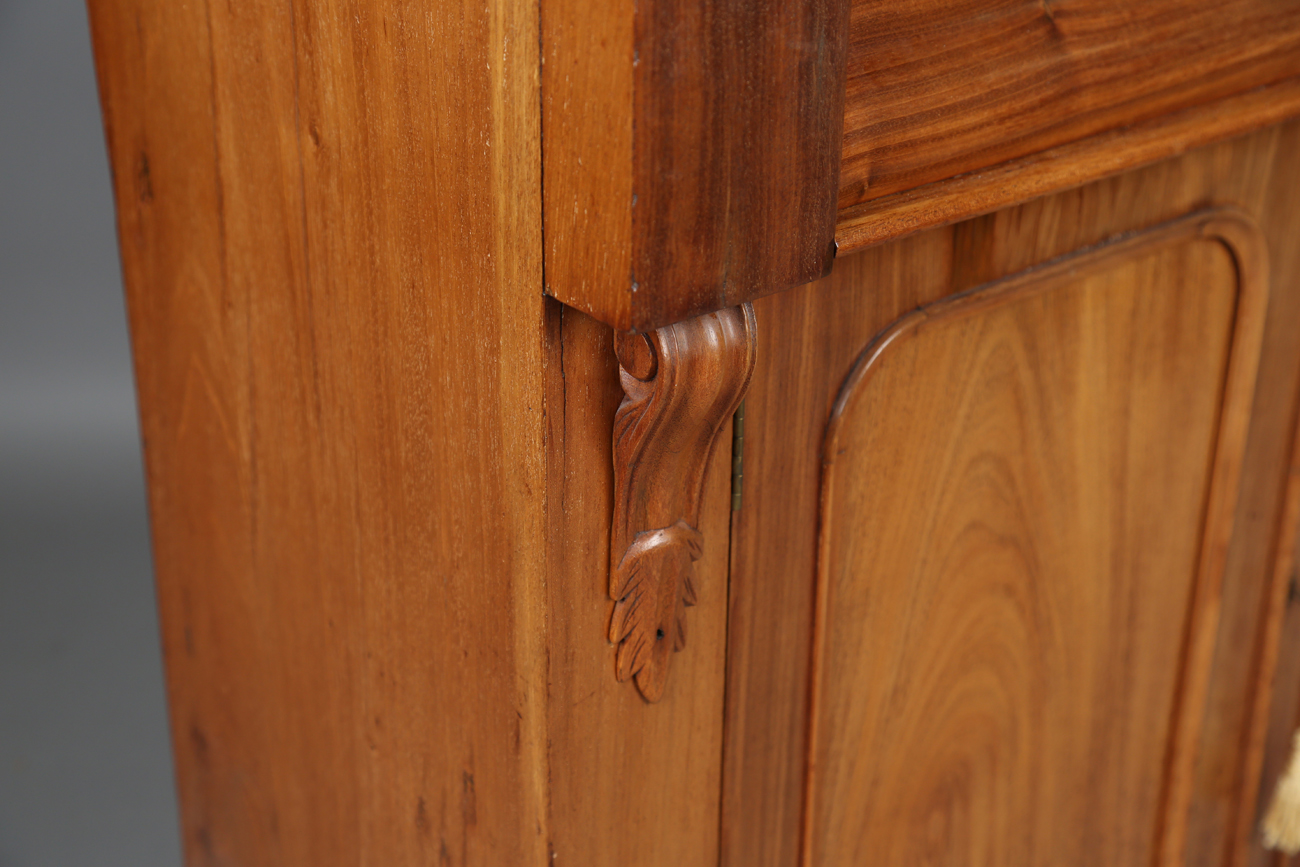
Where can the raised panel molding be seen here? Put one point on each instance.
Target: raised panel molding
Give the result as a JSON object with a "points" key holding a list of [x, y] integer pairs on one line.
{"points": [[1027, 497]]}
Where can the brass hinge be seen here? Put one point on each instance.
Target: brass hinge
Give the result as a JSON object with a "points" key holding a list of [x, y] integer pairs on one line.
{"points": [[737, 456]]}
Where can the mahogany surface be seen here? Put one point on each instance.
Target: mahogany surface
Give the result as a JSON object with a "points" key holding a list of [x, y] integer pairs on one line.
{"points": [[1107, 153], [381, 460], [1012, 668], [691, 152], [682, 384], [936, 89], [808, 342], [330, 233], [630, 782]]}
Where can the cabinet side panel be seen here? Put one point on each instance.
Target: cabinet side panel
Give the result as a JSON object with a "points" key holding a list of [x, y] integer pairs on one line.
{"points": [[329, 215]]}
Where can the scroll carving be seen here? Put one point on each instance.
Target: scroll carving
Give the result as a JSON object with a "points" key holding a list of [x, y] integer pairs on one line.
{"points": [[682, 383]]}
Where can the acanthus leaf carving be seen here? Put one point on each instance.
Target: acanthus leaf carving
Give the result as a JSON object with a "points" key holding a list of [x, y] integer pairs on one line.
{"points": [[682, 384]]}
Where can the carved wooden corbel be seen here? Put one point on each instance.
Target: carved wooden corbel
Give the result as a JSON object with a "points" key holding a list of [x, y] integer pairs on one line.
{"points": [[682, 383]]}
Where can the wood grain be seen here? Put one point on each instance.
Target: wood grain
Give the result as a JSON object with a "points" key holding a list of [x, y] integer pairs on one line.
{"points": [[379, 460], [631, 783], [696, 152], [1009, 661], [1058, 168], [809, 338], [935, 90], [682, 384], [587, 51], [329, 217], [805, 338], [1274, 714]]}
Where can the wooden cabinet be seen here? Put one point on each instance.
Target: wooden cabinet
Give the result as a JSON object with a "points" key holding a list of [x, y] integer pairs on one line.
{"points": [[442, 315], [966, 480]]}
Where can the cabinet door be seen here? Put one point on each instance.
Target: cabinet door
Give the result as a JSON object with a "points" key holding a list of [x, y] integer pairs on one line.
{"points": [[1027, 497], [1003, 580]]}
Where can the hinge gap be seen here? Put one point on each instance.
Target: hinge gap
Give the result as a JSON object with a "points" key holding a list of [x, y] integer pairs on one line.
{"points": [[737, 456]]}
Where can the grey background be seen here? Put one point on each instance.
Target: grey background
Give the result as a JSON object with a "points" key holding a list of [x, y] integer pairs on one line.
{"points": [[85, 767]]}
